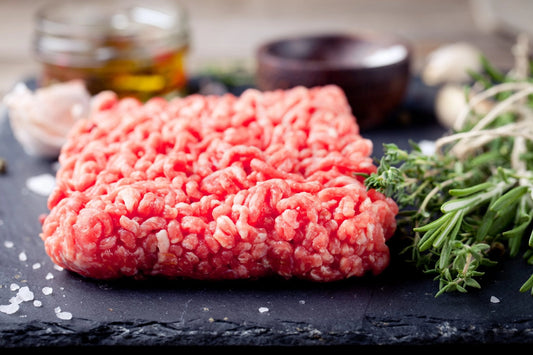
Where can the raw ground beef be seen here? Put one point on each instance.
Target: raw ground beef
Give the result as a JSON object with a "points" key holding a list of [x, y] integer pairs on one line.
{"points": [[219, 187]]}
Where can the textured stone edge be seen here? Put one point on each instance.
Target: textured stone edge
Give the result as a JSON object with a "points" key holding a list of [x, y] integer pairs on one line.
{"points": [[371, 332]]}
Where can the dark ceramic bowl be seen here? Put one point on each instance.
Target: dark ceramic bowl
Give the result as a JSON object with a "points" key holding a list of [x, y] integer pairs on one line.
{"points": [[373, 70]]}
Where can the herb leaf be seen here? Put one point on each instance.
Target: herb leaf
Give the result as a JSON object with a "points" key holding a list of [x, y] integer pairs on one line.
{"points": [[475, 195]]}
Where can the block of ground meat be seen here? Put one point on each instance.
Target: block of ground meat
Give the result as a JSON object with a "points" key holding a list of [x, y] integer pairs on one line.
{"points": [[219, 187]]}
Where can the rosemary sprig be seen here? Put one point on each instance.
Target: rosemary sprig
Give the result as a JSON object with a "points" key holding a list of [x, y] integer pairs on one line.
{"points": [[473, 199], [456, 214]]}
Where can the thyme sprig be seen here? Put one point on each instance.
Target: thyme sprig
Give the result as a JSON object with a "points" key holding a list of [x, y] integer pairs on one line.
{"points": [[471, 202]]}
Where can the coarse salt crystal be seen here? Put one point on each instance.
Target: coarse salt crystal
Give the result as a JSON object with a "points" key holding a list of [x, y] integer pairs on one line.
{"points": [[8, 244], [25, 294], [263, 309], [9, 308], [494, 299], [61, 314], [427, 147], [47, 290], [41, 184], [37, 303], [36, 266], [22, 256], [49, 276], [14, 287], [64, 315]]}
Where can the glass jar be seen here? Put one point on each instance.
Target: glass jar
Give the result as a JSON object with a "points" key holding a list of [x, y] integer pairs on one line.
{"points": [[134, 48]]}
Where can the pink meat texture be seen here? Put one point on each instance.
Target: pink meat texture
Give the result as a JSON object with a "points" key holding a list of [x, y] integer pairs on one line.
{"points": [[219, 187]]}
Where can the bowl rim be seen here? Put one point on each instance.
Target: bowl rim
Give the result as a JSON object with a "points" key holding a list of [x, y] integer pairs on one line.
{"points": [[264, 55]]}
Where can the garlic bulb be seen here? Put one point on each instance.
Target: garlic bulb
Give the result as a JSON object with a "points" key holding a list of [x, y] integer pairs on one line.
{"points": [[41, 120], [451, 63], [452, 100]]}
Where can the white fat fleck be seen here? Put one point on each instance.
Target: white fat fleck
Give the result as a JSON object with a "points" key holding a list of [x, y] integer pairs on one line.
{"points": [[8, 244], [162, 241], [494, 299], [263, 309], [22, 256], [129, 196], [47, 290], [41, 184]]}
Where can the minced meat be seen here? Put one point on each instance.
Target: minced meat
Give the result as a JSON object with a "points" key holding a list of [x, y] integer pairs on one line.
{"points": [[219, 187]]}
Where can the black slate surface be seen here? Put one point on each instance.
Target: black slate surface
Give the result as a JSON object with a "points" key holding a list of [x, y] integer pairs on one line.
{"points": [[396, 308]]}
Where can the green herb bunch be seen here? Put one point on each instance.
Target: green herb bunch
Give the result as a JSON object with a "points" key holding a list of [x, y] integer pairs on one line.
{"points": [[471, 203]]}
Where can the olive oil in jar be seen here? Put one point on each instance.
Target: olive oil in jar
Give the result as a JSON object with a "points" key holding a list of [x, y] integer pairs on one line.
{"points": [[134, 48]]}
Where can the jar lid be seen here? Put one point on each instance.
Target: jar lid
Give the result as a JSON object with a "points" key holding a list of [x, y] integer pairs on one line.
{"points": [[96, 31]]}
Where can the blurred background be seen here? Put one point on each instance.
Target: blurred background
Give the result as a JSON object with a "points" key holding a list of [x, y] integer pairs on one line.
{"points": [[227, 32]]}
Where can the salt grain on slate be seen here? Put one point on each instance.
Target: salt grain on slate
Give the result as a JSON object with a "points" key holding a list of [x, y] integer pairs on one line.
{"points": [[23, 295], [41, 184], [263, 309], [62, 315], [9, 308]]}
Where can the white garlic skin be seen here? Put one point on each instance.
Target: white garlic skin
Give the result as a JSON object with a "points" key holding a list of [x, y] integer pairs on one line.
{"points": [[41, 120]]}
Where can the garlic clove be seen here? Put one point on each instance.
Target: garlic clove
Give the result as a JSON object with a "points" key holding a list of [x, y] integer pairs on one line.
{"points": [[451, 63], [41, 120], [449, 103], [452, 100]]}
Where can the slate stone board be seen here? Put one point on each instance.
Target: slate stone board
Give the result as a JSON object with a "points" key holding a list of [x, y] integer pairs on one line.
{"points": [[396, 308]]}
